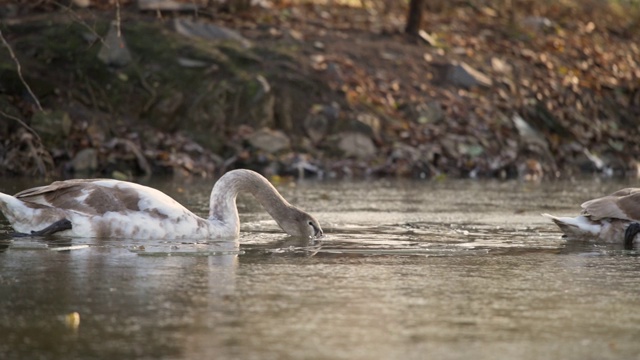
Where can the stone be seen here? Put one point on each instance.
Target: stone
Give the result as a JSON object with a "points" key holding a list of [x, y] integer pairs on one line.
{"points": [[82, 3], [429, 113], [357, 145], [463, 75], [529, 135], [319, 120], [270, 141], [501, 66], [53, 127], [316, 125], [114, 50], [192, 63], [368, 124], [167, 5], [208, 31], [537, 23], [261, 102], [85, 161]]}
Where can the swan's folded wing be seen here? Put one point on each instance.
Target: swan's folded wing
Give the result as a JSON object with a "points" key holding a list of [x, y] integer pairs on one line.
{"points": [[630, 205], [62, 188], [100, 196], [615, 206], [625, 192], [82, 196]]}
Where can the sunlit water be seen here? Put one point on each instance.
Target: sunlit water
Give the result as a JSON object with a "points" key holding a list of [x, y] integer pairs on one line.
{"points": [[408, 270]]}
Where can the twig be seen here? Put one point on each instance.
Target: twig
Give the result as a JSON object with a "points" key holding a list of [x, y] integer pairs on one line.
{"points": [[42, 168], [19, 70], [94, 100], [80, 20], [149, 89], [21, 123], [118, 20]]}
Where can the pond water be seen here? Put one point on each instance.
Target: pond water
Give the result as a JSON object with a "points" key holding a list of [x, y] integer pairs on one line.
{"points": [[407, 270]]}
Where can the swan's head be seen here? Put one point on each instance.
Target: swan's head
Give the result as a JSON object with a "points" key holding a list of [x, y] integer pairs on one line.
{"points": [[299, 223]]}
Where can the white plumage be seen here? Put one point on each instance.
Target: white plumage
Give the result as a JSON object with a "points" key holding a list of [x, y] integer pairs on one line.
{"points": [[119, 209], [612, 218]]}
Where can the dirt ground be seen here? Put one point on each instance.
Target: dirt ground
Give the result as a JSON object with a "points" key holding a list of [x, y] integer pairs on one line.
{"points": [[553, 90]]}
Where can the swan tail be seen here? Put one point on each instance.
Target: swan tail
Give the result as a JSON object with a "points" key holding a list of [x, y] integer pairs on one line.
{"points": [[576, 227], [26, 217]]}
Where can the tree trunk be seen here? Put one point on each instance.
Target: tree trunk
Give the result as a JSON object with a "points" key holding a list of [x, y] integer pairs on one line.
{"points": [[414, 18]]}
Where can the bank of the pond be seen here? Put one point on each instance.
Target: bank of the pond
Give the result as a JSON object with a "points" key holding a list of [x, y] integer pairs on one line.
{"points": [[331, 90]]}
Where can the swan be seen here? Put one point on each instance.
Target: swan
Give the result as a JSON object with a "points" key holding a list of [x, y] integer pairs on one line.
{"points": [[612, 218], [105, 208]]}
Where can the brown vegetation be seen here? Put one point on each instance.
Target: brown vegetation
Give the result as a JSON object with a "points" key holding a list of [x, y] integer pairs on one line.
{"points": [[496, 89]]}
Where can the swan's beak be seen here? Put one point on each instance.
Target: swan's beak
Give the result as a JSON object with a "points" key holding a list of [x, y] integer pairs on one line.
{"points": [[317, 232]]}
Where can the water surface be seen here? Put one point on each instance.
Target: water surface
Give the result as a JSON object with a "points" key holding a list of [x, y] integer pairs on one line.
{"points": [[412, 270]]}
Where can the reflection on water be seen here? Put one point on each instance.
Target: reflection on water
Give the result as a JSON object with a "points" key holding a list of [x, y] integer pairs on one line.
{"points": [[407, 270]]}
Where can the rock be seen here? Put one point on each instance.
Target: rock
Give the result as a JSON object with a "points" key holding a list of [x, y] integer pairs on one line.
{"points": [[334, 75], [530, 170], [192, 63], [166, 5], [316, 124], [295, 35], [529, 136], [270, 141], [85, 161], [356, 144], [52, 127], [363, 123], [429, 113], [368, 124], [283, 109], [319, 120], [533, 146], [463, 75], [260, 102], [114, 50], [208, 31], [82, 3], [500, 66], [9, 11], [537, 23]]}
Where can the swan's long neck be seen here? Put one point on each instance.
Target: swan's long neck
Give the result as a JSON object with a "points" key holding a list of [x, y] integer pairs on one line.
{"points": [[223, 197]]}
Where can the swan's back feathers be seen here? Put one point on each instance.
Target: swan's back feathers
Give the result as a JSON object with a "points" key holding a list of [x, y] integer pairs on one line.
{"points": [[623, 204], [83, 196], [100, 196], [106, 208], [604, 219]]}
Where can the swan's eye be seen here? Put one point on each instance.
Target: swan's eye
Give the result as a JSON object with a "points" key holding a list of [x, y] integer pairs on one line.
{"points": [[311, 223]]}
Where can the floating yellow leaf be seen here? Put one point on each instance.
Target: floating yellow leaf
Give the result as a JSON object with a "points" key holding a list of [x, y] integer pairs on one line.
{"points": [[72, 320]]}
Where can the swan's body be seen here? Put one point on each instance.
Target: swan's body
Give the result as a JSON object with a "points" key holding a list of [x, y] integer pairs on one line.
{"points": [[612, 218], [118, 209]]}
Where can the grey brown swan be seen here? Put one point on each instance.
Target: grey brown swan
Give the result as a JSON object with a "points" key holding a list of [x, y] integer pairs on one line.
{"points": [[119, 209], [612, 218]]}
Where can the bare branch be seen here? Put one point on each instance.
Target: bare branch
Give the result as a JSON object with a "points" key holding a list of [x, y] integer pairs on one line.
{"points": [[19, 70], [21, 123], [118, 19], [79, 20]]}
